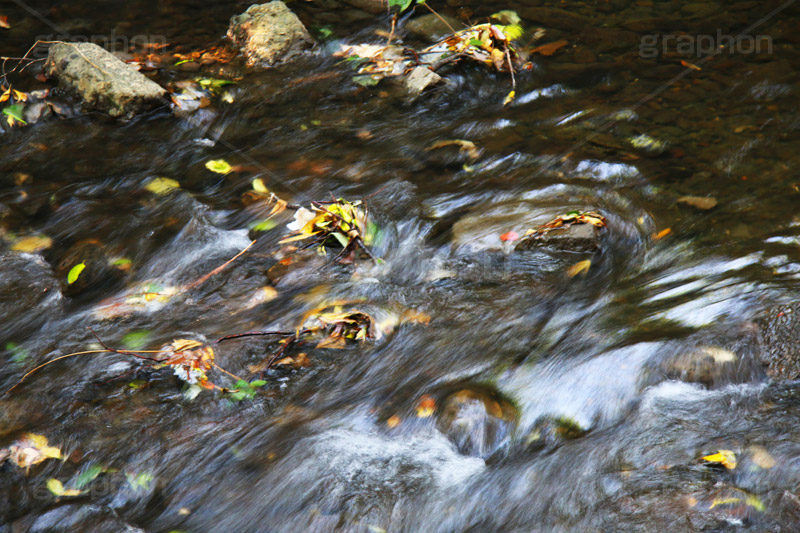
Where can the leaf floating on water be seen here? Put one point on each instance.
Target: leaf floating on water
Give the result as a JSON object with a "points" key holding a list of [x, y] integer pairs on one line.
{"points": [[74, 272], [162, 186], [426, 407], [465, 147], [258, 186], [13, 114], [263, 295], [136, 340], [393, 421], [32, 244], [661, 234], [725, 458], [700, 202], [140, 482], [761, 457], [510, 236], [549, 48], [720, 355], [30, 450], [581, 267], [4, 22], [220, 166], [509, 98], [57, 488]]}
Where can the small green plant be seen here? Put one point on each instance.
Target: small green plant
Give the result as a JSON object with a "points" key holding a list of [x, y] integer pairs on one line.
{"points": [[244, 390]]}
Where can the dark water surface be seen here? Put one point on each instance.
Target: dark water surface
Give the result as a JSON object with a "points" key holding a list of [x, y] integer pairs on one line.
{"points": [[610, 385]]}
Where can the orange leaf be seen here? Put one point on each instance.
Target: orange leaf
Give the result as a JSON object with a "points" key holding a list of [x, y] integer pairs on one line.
{"points": [[661, 234], [426, 406], [549, 48], [4, 22], [510, 236], [393, 421], [690, 65]]}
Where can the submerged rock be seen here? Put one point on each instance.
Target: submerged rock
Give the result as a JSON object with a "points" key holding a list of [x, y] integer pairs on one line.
{"points": [[476, 421], [431, 28], [102, 81], [419, 79], [269, 34]]}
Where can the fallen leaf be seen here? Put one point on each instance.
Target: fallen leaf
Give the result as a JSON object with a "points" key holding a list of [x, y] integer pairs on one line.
{"points": [[32, 244], [720, 355], [57, 488], [426, 406], [510, 236], [700, 202], [549, 48], [74, 272], [581, 267], [725, 458], [30, 450], [4, 22], [467, 147], [393, 421], [690, 65], [661, 234], [258, 186], [161, 186], [220, 166], [761, 457], [14, 114], [509, 98], [263, 295]]}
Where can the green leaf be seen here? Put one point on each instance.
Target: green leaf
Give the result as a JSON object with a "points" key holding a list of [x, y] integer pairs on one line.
{"points": [[140, 482], [213, 83], [402, 4], [341, 238], [182, 61], [324, 32], [263, 225], [136, 340], [18, 355], [476, 42], [365, 80], [14, 113], [55, 486], [258, 383], [88, 475], [74, 272]]}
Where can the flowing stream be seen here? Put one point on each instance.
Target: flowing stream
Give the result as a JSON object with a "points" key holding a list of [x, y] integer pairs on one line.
{"points": [[559, 403]]}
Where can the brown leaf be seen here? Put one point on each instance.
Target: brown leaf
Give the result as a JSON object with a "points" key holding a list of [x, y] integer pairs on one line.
{"points": [[700, 202], [549, 48]]}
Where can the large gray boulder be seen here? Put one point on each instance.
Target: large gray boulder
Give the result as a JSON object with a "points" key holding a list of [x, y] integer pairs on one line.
{"points": [[269, 34], [102, 81]]}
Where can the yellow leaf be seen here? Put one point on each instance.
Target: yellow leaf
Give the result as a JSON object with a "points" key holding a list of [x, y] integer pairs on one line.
{"points": [[74, 272], [700, 202], [258, 186], [32, 244], [581, 267], [725, 458], [724, 501], [220, 166], [55, 486], [393, 421], [161, 186], [509, 98]]}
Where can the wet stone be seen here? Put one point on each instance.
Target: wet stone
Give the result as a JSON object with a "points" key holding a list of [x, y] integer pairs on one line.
{"points": [[103, 82], [476, 421], [551, 431], [78, 519], [28, 292], [419, 79], [269, 34]]}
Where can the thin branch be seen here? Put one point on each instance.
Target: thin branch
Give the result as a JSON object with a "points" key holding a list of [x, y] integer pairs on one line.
{"points": [[219, 268]]}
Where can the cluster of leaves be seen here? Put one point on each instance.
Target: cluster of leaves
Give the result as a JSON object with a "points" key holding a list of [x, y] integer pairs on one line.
{"points": [[190, 360], [189, 95], [485, 43], [16, 105], [564, 221], [334, 224], [30, 450]]}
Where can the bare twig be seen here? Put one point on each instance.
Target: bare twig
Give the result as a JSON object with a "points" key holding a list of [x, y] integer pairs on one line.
{"points": [[219, 269]]}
